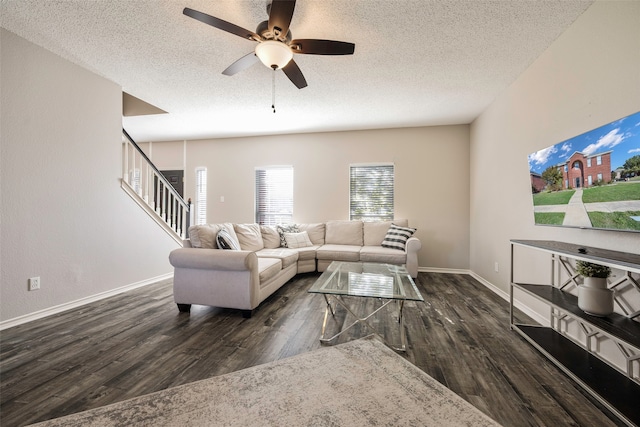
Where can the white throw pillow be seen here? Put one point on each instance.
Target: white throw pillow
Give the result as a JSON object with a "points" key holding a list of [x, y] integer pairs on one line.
{"points": [[297, 240]]}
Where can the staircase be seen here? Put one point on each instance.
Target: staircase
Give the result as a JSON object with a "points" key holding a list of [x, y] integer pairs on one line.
{"points": [[146, 185]]}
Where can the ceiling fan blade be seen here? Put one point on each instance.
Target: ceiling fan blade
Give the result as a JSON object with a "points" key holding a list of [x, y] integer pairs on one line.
{"points": [[221, 24], [295, 75], [241, 64], [280, 14], [322, 47]]}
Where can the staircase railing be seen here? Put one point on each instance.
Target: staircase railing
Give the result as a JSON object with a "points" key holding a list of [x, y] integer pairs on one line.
{"points": [[146, 184]]}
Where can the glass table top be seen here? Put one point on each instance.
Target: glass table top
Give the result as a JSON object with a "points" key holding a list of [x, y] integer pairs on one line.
{"points": [[366, 279]]}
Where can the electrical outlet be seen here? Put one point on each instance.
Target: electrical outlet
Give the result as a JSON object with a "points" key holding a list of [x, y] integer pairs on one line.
{"points": [[495, 266], [34, 283]]}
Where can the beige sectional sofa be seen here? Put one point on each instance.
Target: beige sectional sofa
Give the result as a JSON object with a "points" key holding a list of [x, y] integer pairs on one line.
{"points": [[268, 258]]}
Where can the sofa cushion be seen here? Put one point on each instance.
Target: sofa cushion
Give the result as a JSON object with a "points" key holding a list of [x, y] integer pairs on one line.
{"points": [[249, 236], [315, 231], [226, 241], [286, 228], [374, 232], [339, 252], [297, 240], [307, 253], [268, 267], [384, 255], [204, 236], [270, 236], [344, 233], [287, 256], [397, 237]]}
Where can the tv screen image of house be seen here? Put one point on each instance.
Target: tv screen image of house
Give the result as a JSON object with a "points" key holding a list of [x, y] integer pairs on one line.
{"points": [[591, 180]]}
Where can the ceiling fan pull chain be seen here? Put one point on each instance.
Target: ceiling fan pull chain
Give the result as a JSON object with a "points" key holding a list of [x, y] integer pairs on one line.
{"points": [[273, 91]]}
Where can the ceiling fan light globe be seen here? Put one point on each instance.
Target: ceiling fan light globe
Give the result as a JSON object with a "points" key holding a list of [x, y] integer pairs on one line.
{"points": [[274, 53]]}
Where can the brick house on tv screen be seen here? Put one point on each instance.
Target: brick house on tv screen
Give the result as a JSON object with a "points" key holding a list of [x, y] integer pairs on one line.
{"points": [[584, 171]]}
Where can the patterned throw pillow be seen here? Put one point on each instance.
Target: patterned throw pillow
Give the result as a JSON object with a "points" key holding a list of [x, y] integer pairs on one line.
{"points": [[286, 228], [225, 241], [397, 237], [297, 240]]}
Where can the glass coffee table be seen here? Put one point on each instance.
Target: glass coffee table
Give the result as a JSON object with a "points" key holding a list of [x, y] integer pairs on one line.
{"points": [[389, 283]]}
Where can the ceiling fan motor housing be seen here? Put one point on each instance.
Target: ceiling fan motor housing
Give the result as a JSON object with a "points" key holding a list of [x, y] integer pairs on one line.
{"points": [[263, 30], [276, 45]]}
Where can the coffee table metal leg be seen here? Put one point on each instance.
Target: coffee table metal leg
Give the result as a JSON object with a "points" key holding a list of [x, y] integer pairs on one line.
{"points": [[362, 320], [403, 336], [328, 309]]}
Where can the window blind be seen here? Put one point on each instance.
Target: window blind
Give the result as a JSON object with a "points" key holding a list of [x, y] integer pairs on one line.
{"points": [[201, 196], [274, 195], [371, 192]]}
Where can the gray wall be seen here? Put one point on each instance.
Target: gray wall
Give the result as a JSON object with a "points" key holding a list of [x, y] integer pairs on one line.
{"points": [[588, 77], [64, 217], [63, 214], [431, 179]]}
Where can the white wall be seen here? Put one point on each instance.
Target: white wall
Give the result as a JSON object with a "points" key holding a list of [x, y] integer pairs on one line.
{"points": [[590, 76], [63, 214], [431, 179], [68, 221], [166, 155]]}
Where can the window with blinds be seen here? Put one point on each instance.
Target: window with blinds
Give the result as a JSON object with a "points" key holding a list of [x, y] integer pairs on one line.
{"points": [[201, 196], [274, 195], [371, 192]]}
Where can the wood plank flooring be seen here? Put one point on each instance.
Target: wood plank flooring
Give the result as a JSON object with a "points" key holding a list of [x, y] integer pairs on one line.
{"points": [[137, 343]]}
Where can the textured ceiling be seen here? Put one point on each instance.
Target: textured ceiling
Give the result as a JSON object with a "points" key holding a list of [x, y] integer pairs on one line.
{"points": [[416, 62]]}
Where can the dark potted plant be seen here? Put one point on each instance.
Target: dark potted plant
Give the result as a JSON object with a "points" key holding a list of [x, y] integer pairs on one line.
{"points": [[593, 295]]}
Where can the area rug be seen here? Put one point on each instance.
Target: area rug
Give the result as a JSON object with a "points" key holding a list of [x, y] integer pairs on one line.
{"points": [[360, 383]]}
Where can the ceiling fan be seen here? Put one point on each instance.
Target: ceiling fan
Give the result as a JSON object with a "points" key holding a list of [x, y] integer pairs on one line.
{"points": [[275, 45]]}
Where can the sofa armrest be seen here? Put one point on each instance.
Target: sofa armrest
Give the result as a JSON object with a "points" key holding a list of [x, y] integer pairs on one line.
{"points": [[213, 259], [413, 244], [412, 247]]}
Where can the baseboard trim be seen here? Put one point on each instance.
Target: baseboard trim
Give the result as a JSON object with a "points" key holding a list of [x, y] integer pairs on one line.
{"points": [[443, 270], [505, 296], [80, 302], [83, 301]]}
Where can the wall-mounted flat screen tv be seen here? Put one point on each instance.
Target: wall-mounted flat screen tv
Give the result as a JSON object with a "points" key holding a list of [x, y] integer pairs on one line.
{"points": [[591, 180]]}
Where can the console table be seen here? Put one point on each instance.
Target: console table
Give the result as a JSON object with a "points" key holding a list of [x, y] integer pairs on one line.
{"points": [[617, 389]]}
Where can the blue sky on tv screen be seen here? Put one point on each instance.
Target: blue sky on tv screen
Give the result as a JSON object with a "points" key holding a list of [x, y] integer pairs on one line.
{"points": [[622, 137]]}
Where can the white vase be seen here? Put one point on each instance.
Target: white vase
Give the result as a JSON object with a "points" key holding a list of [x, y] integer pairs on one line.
{"points": [[594, 298]]}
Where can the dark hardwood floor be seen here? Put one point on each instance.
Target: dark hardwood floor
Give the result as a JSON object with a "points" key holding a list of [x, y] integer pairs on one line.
{"points": [[137, 343]]}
